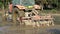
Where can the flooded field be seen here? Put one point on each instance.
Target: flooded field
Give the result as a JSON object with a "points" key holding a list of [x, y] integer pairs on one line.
{"points": [[10, 29]]}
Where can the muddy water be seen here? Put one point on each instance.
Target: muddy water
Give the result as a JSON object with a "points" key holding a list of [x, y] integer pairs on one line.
{"points": [[57, 20], [42, 30]]}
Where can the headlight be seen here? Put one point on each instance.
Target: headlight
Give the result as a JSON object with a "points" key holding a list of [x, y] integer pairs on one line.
{"points": [[30, 7]]}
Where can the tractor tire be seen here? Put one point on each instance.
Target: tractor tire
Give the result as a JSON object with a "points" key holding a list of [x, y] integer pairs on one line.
{"points": [[17, 14]]}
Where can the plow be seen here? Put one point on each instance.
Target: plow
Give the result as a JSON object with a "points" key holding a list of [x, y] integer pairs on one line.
{"points": [[38, 21]]}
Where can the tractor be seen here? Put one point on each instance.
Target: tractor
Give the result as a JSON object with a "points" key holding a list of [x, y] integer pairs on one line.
{"points": [[21, 7], [25, 12]]}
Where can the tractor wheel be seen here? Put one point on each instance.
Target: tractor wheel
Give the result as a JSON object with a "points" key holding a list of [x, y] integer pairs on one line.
{"points": [[15, 15]]}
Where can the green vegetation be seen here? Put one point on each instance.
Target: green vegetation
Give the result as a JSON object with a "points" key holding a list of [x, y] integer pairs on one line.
{"points": [[4, 3]]}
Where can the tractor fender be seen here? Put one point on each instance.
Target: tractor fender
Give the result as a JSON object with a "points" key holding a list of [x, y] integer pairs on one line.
{"points": [[20, 7], [38, 7]]}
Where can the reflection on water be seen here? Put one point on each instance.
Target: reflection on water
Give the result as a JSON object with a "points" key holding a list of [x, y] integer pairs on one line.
{"points": [[47, 30], [34, 31]]}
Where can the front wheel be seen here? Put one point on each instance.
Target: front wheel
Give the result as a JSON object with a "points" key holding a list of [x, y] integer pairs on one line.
{"points": [[15, 15]]}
